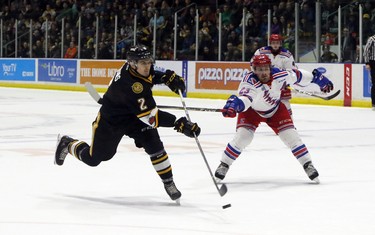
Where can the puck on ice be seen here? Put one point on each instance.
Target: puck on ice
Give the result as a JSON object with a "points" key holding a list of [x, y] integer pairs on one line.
{"points": [[227, 206]]}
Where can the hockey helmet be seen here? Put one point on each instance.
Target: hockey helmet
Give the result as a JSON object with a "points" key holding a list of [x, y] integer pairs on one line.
{"points": [[138, 52], [260, 60], [275, 37]]}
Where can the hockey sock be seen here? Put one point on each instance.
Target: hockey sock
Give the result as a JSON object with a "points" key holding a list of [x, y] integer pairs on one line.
{"points": [[81, 151], [302, 154], [291, 139], [161, 164], [230, 154], [76, 147], [234, 148]]}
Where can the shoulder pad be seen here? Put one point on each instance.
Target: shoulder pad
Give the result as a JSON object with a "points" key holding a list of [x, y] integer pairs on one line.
{"points": [[285, 52], [265, 50], [278, 73], [252, 79]]}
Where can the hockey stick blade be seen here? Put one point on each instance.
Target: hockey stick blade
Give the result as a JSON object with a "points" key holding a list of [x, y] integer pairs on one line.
{"points": [[223, 189], [95, 95], [318, 96], [332, 96]]}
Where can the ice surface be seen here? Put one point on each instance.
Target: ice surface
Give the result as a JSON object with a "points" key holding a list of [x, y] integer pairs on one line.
{"points": [[267, 188]]}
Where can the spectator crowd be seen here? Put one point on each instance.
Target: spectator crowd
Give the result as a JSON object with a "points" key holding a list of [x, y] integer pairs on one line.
{"points": [[41, 16]]}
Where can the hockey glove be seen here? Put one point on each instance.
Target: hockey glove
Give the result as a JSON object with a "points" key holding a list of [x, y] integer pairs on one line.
{"points": [[233, 106], [323, 82], [188, 128], [173, 81]]}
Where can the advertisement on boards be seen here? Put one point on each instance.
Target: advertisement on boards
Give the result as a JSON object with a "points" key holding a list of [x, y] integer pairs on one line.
{"points": [[348, 85], [98, 72], [50, 70], [17, 70], [220, 75]]}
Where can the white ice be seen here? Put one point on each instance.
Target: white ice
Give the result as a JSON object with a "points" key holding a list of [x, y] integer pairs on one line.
{"points": [[267, 188]]}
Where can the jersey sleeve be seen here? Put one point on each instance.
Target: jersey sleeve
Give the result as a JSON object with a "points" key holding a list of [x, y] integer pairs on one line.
{"points": [[290, 64], [158, 73], [247, 90], [158, 118], [300, 77]]}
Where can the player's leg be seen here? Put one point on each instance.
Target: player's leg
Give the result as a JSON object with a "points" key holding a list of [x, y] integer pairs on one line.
{"points": [[247, 123], [282, 124], [103, 147], [150, 140]]}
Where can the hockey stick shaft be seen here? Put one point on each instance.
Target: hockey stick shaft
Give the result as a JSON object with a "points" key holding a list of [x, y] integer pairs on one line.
{"points": [[189, 108], [223, 189], [315, 95], [95, 95]]}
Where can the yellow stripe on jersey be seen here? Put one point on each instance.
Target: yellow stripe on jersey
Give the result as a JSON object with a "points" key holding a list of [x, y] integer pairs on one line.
{"points": [[144, 114]]}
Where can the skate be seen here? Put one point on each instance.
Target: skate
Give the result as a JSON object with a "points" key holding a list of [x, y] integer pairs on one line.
{"points": [[311, 172], [173, 192], [221, 171], [62, 149]]}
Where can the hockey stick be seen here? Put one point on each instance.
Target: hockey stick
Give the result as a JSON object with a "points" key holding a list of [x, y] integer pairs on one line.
{"points": [[95, 95], [223, 190], [315, 95], [189, 108]]}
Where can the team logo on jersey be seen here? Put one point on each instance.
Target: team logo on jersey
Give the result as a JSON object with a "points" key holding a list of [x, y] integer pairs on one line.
{"points": [[137, 87]]}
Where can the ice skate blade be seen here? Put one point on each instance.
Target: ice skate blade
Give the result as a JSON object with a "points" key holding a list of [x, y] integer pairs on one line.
{"points": [[217, 180], [57, 144], [316, 180], [178, 202]]}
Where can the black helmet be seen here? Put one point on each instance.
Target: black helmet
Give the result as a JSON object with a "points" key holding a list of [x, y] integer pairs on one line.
{"points": [[138, 52]]}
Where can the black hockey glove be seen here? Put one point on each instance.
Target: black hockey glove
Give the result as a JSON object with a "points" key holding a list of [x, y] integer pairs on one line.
{"points": [[173, 81], [188, 128]]}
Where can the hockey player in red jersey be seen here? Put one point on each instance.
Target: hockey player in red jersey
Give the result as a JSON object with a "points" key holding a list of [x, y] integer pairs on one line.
{"points": [[128, 108], [281, 58], [258, 101]]}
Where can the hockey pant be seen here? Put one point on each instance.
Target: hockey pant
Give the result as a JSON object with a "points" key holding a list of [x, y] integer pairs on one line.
{"points": [[107, 137]]}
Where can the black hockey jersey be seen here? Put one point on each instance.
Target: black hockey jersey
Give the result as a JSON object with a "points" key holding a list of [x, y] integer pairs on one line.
{"points": [[130, 94]]}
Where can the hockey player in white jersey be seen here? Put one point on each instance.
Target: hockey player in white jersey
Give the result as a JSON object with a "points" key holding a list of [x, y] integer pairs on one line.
{"points": [[258, 101], [281, 58]]}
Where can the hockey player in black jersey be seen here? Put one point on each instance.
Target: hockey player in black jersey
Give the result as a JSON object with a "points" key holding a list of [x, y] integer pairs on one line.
{"points": [[128, 108]]}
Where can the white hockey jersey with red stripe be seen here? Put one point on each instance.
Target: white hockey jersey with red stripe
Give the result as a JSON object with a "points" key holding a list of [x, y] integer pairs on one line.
{"points": [[265, 98], [283, 60]]}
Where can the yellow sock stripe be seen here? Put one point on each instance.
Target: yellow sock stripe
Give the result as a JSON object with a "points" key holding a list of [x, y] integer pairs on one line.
{"points": [[165, 171], [70, 148], [154, 162], [73, 148]]}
